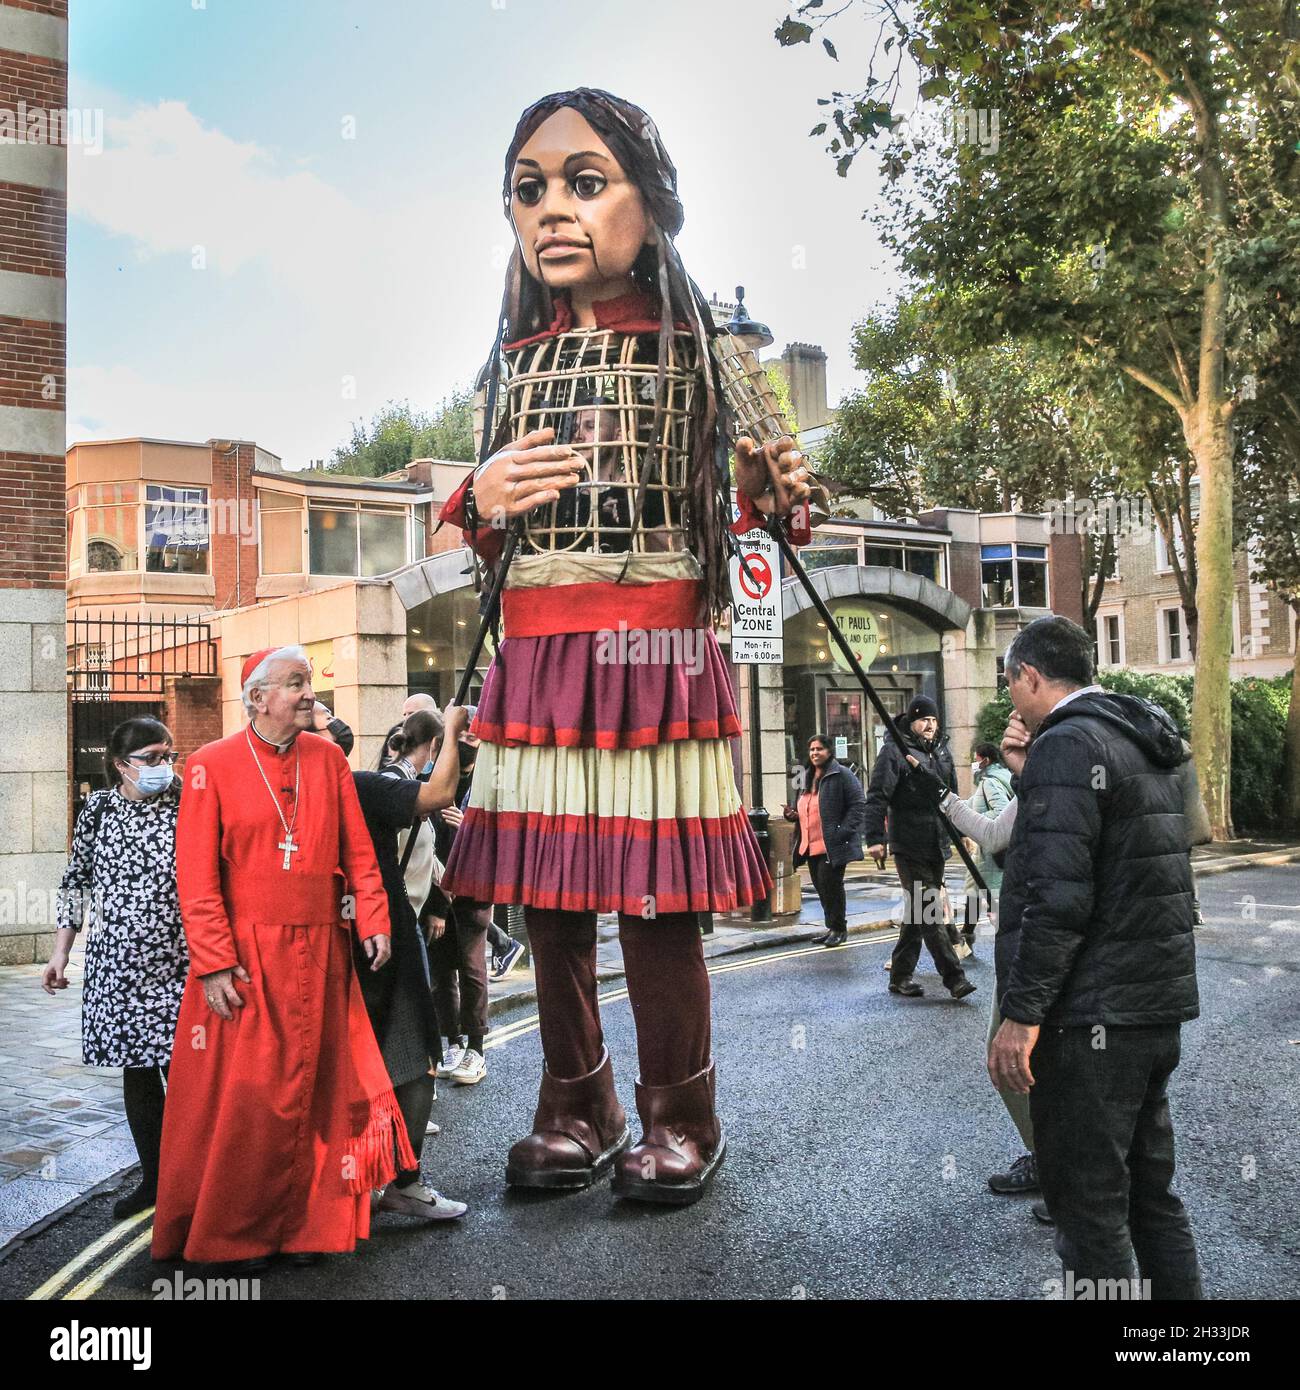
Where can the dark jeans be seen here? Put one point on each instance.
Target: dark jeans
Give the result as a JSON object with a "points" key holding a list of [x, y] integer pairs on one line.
{"points": [[1104, 1143], [458, 962], [922, 881], [828, 880]]}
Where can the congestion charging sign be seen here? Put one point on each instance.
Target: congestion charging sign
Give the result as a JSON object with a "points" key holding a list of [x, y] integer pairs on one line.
{"points": [[757, 637]]}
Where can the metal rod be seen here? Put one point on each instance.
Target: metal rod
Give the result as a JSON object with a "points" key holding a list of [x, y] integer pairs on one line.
{"points": [[777, 532], [489, 613]]}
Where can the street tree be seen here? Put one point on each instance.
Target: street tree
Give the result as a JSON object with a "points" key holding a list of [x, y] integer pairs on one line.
{"points": [[1118, 180]]}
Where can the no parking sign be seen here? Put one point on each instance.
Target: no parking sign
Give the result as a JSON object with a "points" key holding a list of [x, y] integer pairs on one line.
{"points": [[757, 636]]}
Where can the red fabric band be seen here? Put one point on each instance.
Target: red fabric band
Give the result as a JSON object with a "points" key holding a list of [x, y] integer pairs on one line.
{"points": [[602, 607]]}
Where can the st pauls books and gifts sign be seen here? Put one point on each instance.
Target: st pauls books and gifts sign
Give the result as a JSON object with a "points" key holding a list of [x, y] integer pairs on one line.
{"points": [[756, 624]]}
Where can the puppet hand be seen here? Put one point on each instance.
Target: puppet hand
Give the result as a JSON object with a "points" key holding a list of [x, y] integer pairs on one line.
{"points": [[778, 465], [529, 473], [378, 948]]}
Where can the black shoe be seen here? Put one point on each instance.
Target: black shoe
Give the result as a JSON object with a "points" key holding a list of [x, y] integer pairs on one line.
{"points": [[909, 989], [1042, 1214], [1022, 1176], [835, 938], [302, 1258], [503, 964], [133, 1203], [961, 988]]}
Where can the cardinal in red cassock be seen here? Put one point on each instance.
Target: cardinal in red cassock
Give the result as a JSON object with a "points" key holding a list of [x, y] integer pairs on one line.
{"points": [[280, 1117]]}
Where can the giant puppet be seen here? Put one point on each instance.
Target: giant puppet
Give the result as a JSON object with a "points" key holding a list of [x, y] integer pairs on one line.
{"points": [[604, 780]]}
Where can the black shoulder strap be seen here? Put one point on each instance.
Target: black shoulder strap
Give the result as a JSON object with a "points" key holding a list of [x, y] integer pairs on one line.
{"points": [[410, 844]]}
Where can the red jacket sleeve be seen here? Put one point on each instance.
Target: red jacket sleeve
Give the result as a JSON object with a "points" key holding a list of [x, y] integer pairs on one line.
{"points": [[487, 541], [198, 872], [357, 858], [798, 525]]}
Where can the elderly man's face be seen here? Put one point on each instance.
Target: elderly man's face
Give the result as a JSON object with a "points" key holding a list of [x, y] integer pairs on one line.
{"points": [[418, 702], [287, 700]]}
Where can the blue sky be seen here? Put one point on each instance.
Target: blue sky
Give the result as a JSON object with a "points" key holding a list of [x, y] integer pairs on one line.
{"points": [[240, 267]]}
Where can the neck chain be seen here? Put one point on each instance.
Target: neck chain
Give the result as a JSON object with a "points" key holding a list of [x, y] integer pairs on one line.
{"points": [[287, 844]]}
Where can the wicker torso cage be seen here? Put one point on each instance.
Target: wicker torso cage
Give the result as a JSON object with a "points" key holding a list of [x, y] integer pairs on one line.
{"points": [[596, 389]]}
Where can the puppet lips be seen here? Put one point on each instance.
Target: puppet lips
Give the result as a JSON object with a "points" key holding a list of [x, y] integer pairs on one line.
{"points": [[560, 248]]}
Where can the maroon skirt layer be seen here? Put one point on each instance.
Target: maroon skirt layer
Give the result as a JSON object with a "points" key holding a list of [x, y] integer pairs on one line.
{"points": [[608, 690], [577, 863]]}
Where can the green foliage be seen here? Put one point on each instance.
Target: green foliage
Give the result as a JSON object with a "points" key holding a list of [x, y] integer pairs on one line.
{"points": [[1259, 714], [399, 433]]}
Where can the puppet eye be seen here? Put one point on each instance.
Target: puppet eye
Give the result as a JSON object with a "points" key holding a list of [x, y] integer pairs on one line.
{"points": [[529, 192], [588, 185]]}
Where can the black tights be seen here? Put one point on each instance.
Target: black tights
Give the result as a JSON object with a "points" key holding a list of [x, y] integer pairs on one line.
{"points": [[415, 1099], [142, 1094]]}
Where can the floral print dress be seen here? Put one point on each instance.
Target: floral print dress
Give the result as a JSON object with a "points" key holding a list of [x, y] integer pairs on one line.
{"points": [[121, 876]]}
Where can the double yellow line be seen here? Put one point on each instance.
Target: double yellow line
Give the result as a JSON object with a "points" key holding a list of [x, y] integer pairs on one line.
{"points": [[89, 1284]]}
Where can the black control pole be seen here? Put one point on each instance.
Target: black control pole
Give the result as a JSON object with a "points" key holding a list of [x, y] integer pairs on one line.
{"points": [[777, 532], [490, 611]]}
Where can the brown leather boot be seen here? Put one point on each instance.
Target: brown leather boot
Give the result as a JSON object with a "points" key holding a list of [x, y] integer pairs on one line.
{"points": [[578, 1131], [681, 1145]]}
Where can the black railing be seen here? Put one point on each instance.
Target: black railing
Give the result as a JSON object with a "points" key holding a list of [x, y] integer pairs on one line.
{"points": [[110, 656]]}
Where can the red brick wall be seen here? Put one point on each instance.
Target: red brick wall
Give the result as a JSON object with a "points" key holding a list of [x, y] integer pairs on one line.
{"points": [[33, 229], [234, 526], [1065, 556], [32, 521], [32, 352], [38, 82], [192, 711]]}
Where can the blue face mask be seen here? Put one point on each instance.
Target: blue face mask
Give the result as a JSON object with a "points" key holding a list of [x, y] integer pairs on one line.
{"points": [[428, 768], [149, 781]]}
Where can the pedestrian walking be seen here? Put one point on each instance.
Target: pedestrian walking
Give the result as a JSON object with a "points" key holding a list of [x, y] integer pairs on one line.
{"points": [[830, 813], [398, 998], [991, 796], [1096, 963], [121, 879], [919, 844]]}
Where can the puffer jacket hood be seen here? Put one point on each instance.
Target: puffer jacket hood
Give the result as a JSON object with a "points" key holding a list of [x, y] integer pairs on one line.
{"points": [[1149, 726]]}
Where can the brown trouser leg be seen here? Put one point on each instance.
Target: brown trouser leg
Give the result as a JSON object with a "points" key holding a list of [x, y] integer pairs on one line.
{"points": [[563, 946], [668, 986]]}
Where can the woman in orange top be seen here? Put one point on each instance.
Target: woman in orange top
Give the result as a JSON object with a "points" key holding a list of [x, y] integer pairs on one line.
{"points": [[830, 816]]}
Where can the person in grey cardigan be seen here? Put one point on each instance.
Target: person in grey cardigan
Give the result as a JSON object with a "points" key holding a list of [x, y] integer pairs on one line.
{"points": [[830, 814]]}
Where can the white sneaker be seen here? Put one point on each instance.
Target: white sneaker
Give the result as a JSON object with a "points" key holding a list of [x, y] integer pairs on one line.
{"points": [[472, 1069], [451, 1059], [418, 1200]]}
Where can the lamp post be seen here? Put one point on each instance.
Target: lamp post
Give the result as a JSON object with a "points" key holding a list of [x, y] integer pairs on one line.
{"points": [[755, 336]]}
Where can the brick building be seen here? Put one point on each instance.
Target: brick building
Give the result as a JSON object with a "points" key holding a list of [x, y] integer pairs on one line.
{"points": [[1141, 623], [33, 255]]}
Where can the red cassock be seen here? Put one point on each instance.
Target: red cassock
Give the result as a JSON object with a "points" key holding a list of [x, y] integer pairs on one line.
{"points": [[280, 1121]]}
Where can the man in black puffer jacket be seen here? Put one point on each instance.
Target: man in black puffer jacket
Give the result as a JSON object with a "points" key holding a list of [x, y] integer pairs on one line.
{"points": [[1096, 967], [919, 845]]}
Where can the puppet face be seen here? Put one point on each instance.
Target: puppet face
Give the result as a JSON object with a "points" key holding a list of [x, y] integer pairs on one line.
{"points": [[579, 220]]}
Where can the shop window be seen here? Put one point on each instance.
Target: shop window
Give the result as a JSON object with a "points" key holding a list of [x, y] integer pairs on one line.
{"points": [[176, 529], [332, 540], [280, 519], [1014, 576], [923, 562], [383, 541], [890, 556]]}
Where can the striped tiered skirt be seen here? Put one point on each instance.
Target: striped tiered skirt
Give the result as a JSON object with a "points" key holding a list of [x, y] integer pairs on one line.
{"points": [[604, 780]]}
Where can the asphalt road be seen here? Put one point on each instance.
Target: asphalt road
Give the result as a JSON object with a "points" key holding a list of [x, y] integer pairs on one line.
{"points": [[861, 1128]]}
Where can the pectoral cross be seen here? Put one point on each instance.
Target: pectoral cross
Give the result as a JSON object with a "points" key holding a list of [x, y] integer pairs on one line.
{"points": [[288, 846]]}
